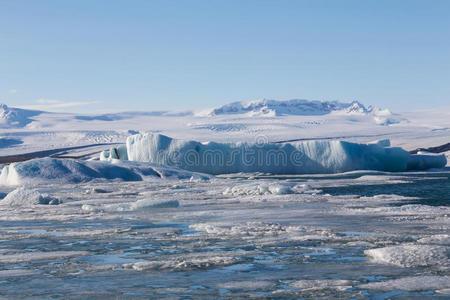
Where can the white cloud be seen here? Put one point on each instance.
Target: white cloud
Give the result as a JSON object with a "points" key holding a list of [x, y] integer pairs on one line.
{"points": [[49, 101], [12, 91], [56, 105]]}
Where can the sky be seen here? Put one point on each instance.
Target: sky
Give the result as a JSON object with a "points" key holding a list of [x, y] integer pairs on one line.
{"points": [[93, 56]]}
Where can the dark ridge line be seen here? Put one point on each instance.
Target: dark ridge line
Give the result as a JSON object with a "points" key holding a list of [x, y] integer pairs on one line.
{"points": [[437, 149], [49, 153]]}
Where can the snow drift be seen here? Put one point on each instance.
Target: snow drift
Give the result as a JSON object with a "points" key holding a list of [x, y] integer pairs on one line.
{"points": [[306, 157], [61, 171]]}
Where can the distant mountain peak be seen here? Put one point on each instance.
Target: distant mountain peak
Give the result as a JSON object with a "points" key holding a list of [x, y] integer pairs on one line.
{"points": [[15, 117], [303, 107]]}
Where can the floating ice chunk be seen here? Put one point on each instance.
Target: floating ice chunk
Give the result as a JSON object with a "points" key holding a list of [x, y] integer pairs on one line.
{"points": [[416, 283], [138, 205], [23, 197], [259, 189], [279, 158], [89, 208], [154, 203], [305, 285], [35, 256], [248, 285], [188, 261], [260, 229], [75, 171], [404, 210], [99, 191], [410, 255], [438, 239], [17, 273]]}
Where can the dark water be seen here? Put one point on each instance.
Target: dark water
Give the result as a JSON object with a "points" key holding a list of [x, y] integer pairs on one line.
{"points": [[435, 192]]}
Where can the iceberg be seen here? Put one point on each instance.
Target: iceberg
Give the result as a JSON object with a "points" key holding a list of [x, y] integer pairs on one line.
{"points": [[26, 197], [69, 171], [306, 157]]}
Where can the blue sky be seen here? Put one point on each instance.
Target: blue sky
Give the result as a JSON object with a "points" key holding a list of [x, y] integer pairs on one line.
{"points": [[172, 55]]}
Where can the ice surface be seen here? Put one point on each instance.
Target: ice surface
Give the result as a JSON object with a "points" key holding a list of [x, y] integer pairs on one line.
{"points": [[143, 204], [34, 256], [266, 237], [281, 158], [45, 170], [260, 189], [411, 255], [181, 238], [416, 283], [248, 285], [17, 273], [322, 284], [438, 239], [188, 261]]}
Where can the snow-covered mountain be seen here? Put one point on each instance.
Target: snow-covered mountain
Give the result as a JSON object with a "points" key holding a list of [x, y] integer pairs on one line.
{"points": [[25, 131], [289, 107], [300, 107], [15, 117]]}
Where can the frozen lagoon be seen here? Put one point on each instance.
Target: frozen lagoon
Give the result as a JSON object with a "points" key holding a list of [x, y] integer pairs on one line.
{"points": [[362, 234]]}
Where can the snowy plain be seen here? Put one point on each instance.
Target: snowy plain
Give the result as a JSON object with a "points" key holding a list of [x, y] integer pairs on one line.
{"points": [[143, 230]]}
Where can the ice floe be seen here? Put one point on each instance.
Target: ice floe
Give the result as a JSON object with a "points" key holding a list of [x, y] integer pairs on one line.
{"points": [[322, 284], [413, 283], [36, 256], [260, 189], [411, 255], [188, 261], [138, 205]]}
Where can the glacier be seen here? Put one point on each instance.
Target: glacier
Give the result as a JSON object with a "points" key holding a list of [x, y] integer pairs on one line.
{"points": [[306, 157]]}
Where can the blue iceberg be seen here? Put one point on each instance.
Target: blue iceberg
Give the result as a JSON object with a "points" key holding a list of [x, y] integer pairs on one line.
{"points": [[308, 157]]}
